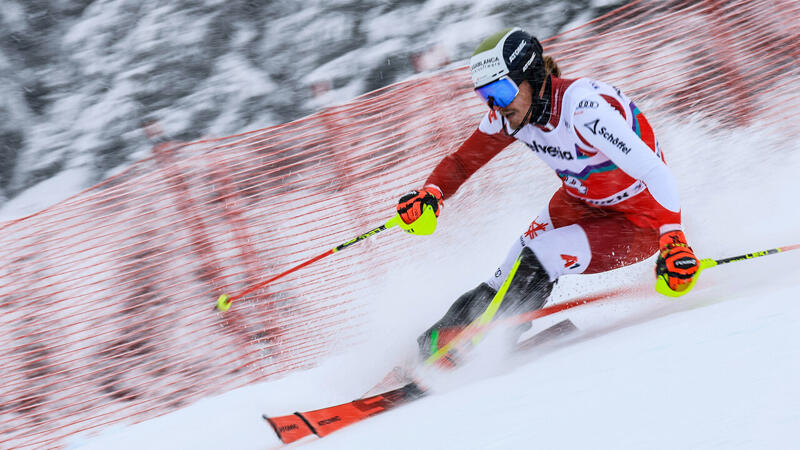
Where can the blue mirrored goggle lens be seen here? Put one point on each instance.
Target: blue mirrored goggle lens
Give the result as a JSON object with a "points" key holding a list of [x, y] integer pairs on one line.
{"points": [[503, 91]]}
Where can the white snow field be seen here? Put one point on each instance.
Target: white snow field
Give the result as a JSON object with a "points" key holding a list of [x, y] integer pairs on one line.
{"points": [[715, 369]]}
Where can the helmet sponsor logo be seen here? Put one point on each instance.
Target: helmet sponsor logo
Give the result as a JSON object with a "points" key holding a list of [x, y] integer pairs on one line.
{"points": [[615, 141], [489, 63], [530, 61], [584, 104], [487, 67], [517, 52], [550, 150]]}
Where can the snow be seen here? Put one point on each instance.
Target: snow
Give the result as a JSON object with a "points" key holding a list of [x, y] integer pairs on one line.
{"points": [[716, 368]]}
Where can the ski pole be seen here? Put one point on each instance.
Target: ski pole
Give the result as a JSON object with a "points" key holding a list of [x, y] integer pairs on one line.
{"points": [[707, 263], [425, 224], [224, 301]]}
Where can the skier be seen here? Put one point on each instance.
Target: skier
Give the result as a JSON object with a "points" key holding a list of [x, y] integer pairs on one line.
{"points": [[617, 205]]}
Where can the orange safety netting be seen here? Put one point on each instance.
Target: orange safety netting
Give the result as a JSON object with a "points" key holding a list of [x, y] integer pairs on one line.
{"points": [[106, 298]]}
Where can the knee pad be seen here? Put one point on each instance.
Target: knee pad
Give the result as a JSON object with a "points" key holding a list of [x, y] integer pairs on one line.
{"points": [[563, 251], [530, 287]]}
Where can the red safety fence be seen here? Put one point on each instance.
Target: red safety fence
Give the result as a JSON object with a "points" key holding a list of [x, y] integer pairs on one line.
{"points": [[106, 298]]}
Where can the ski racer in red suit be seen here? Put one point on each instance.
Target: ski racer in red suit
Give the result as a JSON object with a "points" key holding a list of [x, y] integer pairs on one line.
{"points": [[617, 205]]}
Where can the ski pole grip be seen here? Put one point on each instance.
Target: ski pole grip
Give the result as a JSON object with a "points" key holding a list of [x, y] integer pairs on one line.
{"points": [[423, 226], [663, 288]]}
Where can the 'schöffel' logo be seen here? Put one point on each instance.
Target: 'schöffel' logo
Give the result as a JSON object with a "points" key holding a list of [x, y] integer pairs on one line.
{"points": [[553, 151], [615, 141], [592, 126]]}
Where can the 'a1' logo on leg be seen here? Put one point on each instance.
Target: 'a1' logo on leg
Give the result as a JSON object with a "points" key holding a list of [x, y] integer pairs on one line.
{"points": [[570, 262]]}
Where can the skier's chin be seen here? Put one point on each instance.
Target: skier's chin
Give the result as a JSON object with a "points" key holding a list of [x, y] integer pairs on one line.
{"points": [[514, 120]]}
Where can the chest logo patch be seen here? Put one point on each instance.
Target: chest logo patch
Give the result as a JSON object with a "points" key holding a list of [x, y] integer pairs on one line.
{"points": [[550, 150]]}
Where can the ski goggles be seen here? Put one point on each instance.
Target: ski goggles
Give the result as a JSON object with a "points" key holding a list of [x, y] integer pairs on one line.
{"points": [[499, 93]]}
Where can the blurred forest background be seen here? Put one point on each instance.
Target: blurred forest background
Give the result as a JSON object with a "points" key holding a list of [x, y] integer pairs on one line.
{"points": [[78, 78]]}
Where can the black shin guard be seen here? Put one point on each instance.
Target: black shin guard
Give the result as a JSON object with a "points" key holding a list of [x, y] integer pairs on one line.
{"points": [[529, 289], [463, 311]]}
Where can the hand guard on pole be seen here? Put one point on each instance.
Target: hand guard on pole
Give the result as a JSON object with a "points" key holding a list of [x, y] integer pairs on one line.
{"points": [[676, 265], [418, 210]]}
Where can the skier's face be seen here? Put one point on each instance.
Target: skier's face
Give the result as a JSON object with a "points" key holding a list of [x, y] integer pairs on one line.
{"points": [[516, 110]]}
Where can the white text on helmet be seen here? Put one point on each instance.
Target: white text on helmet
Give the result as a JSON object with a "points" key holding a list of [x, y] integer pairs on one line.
{"points": [[528, 64], [516, 52]]}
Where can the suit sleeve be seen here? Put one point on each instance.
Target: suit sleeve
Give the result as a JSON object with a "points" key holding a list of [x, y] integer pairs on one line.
{"points": [[606, 130], [474, 153]]}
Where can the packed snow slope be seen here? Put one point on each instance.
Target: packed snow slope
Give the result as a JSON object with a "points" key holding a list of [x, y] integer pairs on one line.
{"points": [[714, 369]]}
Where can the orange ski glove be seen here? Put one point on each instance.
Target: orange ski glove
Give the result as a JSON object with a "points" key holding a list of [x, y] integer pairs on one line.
{"points": [[411, 205], [676, 262]]}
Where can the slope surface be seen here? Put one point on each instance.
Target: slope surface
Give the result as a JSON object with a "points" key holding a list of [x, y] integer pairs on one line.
{"points": [[714, 369]]}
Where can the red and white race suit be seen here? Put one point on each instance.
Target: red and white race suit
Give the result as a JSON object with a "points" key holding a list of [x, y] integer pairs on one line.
{"points": [[617, 193]]}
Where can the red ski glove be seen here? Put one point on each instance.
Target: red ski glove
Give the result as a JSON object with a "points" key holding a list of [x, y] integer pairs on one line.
{"points": [[410, 206], [676, 263]]}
